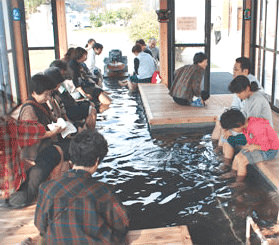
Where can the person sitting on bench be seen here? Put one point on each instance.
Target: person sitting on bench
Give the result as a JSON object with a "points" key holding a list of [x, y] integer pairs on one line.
{"points": [[260, 143], [76, 208], [186, 86]]}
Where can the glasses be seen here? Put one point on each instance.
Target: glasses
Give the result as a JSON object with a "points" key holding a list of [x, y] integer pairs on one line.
{"points": [[236, 69]]}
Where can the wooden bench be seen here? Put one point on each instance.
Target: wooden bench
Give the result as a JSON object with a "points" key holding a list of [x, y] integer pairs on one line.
{"points": [[168, 235], [162, 112], [270, 171], [14, 232]]}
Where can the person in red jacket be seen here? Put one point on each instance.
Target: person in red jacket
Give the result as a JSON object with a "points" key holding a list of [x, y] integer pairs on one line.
{"points": [[261, 144]]}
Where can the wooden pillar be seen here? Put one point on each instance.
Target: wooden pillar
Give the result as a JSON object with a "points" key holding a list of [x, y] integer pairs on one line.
{"points": [[164, 46], [61, 28], [19, 55], [247, 33]]}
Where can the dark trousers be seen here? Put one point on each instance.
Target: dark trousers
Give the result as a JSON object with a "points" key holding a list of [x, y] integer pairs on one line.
{"points": [[46, 161]]}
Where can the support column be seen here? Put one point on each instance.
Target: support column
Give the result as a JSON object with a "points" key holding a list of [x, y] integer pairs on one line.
{"points": [[19, 54], [247, 32], [164, 46], [60, 27]]}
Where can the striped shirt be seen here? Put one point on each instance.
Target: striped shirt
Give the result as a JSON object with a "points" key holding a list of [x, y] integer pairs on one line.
{"points": [[187, 82], [77, 209]]}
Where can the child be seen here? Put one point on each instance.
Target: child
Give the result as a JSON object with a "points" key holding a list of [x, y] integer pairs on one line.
{"points": [[262, 141]]}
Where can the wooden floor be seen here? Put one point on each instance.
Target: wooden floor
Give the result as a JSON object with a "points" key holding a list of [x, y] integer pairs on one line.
{"points": [[163, 112], [17, 225]]}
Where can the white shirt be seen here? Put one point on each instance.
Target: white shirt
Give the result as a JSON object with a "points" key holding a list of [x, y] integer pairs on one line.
{"points": [[91, 60]]}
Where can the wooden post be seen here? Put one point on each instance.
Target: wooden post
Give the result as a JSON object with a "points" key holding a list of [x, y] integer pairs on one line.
{"points": [[247, 28], [164, 46], [61, 27], [19, 55]]}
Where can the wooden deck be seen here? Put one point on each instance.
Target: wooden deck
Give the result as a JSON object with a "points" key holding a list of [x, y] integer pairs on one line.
{"points": [[17, 225], [162, 112]]}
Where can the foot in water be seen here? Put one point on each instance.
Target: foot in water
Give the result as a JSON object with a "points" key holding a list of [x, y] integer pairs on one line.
{"points": [[123, 83]]}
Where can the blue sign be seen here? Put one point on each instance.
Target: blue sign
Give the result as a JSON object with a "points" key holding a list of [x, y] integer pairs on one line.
{"points": [[16, 14]]}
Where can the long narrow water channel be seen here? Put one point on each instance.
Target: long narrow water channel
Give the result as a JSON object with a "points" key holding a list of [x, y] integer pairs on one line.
{"points": [[172, 179]]}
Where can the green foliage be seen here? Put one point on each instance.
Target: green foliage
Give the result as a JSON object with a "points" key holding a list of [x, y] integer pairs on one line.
{"points": [[144, 26], [96, 20], [31, 6], [112, 17], [125, 14]]}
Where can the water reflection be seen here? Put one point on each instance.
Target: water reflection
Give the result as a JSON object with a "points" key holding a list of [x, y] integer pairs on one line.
{"points": [[172, 179]]}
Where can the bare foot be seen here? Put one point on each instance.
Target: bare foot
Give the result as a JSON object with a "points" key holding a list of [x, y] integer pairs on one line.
{"points": [[224, 167], [273, 230], [229, 175], [123, 83], [237, 184], [103, 108]]}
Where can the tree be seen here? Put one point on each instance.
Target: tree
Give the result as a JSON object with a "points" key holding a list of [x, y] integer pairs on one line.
{"points": [[144, 26]]}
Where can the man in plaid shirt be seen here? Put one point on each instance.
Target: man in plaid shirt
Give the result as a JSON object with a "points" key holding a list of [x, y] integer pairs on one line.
{"points": [[76, 208], [13, 136], [186, 86]]}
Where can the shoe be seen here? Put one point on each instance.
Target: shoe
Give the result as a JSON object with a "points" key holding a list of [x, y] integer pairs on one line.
{"points": [[18, 199], [197, 103]]}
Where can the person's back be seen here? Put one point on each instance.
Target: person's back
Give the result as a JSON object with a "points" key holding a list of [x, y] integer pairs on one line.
{"points": [[146, 67], [78, 203], [76, 208], [257, 106]]}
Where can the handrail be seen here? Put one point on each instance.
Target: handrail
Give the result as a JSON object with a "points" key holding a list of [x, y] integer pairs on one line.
{"points": [[250, 223]]}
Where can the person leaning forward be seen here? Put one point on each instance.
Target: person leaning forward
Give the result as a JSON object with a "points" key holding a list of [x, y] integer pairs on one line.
{"points": [[76, 208], [186, 86]]}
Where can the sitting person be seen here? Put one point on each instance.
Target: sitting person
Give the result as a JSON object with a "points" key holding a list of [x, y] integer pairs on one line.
{"points": [[186, 86], [14, 135], [256, 105], [144, 69], [69, 109], [76, 208], [144, 48], [241, 67], [262, 141], [69, 55], [36, 109], [47, 154], [83, 82], [154, 49]]}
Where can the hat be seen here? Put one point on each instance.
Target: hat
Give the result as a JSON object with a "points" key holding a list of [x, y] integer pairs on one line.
{"points": [[54, 74]]}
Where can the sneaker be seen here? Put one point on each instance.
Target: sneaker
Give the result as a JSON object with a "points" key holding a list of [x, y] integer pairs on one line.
{"points": [[197, 103], [18, 199]]}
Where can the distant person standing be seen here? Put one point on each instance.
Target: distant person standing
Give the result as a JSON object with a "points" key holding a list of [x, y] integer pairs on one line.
{"points": [[217, 29], [91, 63], [89, 45], [186, 86], [154, 49]]}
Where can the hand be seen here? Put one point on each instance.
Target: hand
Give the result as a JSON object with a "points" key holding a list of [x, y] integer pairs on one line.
{"points": [[227, 134], [251, 148], [57, 130], [89, 96]]}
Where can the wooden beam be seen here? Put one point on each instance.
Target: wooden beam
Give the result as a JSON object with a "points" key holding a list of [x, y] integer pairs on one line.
{"points": [[164, 46], [62, 27], [247, 34], [19, 55]]}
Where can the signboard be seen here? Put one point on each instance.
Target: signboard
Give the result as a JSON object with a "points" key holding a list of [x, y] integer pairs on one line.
{"points": [[186, 23], [16, 14]]}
